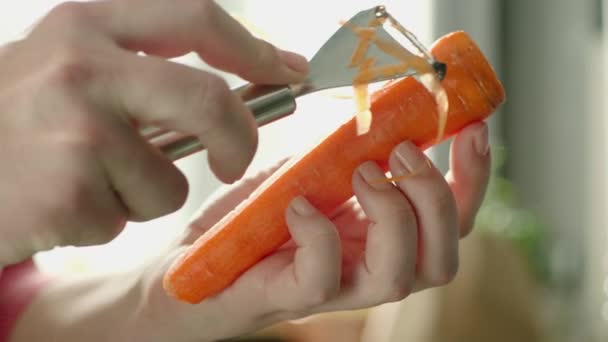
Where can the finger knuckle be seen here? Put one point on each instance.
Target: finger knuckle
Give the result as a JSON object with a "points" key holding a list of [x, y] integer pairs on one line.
{"points": [[322, 232], [445, 203], [70, 205], [70, 13], [397, 289], [69, 67], [83, 138], [71, 212], [445, 276], [172, 197], [400, 287], [390, 287], [77, 197], [203, 11], [212, 96], [397, 294], [102, 230], [179, 194], [289, 315], [403, 215], [265, 57], [320, 295], [93, 222]]}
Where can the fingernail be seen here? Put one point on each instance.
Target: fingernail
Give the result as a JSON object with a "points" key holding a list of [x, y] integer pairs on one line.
{"points": [[482, 143], [373, 175], [302, 207], [294, 61], [410, 156]]}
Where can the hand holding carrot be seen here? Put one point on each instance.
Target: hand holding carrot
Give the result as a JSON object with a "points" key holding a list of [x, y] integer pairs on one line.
{"points": [[402, 110], [384, 244], [387, 242]]}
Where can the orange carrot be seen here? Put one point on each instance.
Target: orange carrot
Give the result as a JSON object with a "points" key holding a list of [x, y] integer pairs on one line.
{"points": [[402, 110]]}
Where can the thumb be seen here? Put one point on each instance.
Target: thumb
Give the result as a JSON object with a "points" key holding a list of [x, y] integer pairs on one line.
{"points": [[225, 200], [314, 275]]}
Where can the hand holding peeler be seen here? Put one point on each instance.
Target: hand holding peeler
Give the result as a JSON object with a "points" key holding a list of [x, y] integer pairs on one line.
{"points": [[329, 68]]}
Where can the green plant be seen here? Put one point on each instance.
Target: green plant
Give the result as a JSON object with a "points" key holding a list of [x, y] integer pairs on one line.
{"points": [[502, 214]]}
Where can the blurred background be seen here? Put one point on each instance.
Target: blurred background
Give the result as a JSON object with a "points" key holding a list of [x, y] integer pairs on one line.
{"points": [[535, 267]]}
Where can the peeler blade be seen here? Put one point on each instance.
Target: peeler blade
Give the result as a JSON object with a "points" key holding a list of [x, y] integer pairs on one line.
{"points": [[330, 66]]}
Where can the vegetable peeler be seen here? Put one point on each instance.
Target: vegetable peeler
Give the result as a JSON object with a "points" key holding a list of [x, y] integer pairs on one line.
{"points": [[329, 68]]}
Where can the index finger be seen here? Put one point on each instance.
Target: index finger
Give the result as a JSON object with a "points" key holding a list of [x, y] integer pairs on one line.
{"points": [[172, 28], [190, 101]]}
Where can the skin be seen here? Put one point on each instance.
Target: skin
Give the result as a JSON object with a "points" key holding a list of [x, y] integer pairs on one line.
{"points": [[71, 92]]}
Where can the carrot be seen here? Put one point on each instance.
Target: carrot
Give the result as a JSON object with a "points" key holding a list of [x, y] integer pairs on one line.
{"points": [[402, 110]]}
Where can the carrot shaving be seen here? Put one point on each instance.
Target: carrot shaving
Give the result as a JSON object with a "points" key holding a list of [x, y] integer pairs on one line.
{"points": [[368, 74], [396, 51], [366, 36], [366, 32], [360, 51], [432, 84], [368, 71], [364, 114]]}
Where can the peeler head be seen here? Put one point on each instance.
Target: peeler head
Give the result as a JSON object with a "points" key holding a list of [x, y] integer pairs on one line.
{"points": [[440, 69], [332, 67]]}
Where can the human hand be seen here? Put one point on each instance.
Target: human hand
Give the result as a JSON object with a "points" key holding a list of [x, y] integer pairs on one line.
{"points": [[74, 92], [384, 244]]}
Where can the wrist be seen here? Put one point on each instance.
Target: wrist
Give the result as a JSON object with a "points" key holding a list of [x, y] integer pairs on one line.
{"points": [[157, 317], [91, 308]]}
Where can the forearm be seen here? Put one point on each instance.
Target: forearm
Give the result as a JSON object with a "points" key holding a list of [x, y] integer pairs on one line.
{"points": [[95, 308]]}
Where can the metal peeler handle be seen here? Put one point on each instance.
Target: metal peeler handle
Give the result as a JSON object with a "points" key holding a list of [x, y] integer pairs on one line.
{"points": [[267, 103]]}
